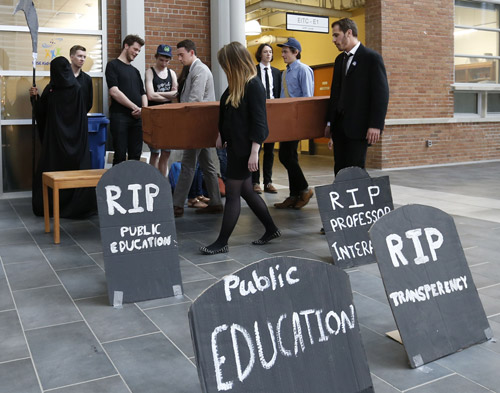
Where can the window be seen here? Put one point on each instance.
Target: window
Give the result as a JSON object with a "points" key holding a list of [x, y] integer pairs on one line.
{"points": [[477, 57], [62, 24]]}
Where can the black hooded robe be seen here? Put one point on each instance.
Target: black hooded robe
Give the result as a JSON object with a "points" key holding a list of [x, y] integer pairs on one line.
{"points": [[62, 124]]}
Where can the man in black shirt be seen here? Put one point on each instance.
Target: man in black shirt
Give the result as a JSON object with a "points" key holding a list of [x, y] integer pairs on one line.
{"points": [[127, 98], [77, 56]]}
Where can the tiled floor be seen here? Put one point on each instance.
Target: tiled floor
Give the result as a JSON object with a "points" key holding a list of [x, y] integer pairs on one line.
{"points": [[58, 333]]}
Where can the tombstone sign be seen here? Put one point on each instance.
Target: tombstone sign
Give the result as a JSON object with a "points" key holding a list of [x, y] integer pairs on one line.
{"points": [[281, 325], [428, 283], [138, 236], [348, 208]]}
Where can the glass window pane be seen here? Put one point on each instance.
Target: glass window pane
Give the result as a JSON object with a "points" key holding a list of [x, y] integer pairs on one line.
{"points": [[466, 102], [14, 57], [17, 157], [493, 102], [15, 96], [60, 14], [477, 14], [474, 70], [476, 42], [15, 100]]}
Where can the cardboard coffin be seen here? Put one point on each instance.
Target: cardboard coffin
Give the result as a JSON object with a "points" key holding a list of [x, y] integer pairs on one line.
{"points": [[195, 125]]}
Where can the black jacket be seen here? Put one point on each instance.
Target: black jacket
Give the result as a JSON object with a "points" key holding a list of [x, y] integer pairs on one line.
{"points": [[366, 96], [241, 126], [276, 80]]}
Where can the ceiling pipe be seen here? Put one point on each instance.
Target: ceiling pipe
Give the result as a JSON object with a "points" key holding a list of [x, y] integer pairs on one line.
{"points": [[306, 9], [267, 39]]}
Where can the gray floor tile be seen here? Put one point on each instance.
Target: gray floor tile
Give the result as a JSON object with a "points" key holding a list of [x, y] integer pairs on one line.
{"points": [[67, 354], [47, 306], [10, 221], [109, 323], [98, 258], [68, 257], [106, 385], [491, 305], [453, 383], [147, 304], [368, 285], [26, 275], [14, 236], [190, 272], [388, 361], [193, 289], [373, 314], [173, 321], [13, 253], [46, 240], [84, 282], [12, 343], [18, 376], [221, 269], [249, 253], [381, 386], [6, 302], [151, 364], [88, 235], [475, 363]]}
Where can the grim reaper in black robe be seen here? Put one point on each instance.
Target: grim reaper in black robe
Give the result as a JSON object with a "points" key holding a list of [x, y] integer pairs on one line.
{"points": [[63, 129]]}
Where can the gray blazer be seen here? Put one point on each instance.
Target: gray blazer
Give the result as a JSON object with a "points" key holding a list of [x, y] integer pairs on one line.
{"points": [[199, 86]]}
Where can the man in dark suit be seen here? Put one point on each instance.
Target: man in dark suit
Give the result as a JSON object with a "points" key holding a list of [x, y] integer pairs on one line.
{"points": [[272, 84], [358, 99]]}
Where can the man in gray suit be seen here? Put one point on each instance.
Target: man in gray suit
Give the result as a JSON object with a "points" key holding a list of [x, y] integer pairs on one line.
{"points": [[198, 87]]}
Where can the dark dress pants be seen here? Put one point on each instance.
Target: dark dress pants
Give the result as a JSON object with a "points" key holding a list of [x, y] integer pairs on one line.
{"points": [[127, 137], [267, 165], [290, 159], [347, 151]]}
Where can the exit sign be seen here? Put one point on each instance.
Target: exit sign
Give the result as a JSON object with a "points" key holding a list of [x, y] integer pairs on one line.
{"points": [[309, 23]]}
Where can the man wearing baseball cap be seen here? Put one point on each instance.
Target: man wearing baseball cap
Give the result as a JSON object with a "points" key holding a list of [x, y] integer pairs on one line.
{"points": [[297, 81], [161, 88]]}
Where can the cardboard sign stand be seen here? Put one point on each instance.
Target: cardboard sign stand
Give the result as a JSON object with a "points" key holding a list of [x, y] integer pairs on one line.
{"points": [[281, 325], [138, 234], [428, 283], [348, 208]]}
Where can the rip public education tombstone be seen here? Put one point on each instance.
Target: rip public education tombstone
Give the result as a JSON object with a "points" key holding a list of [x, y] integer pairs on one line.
{"points": [[428, 283], [281, 325], [348, 208], [141, 256]]}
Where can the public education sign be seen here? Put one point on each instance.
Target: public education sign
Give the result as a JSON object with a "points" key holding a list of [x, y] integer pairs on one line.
{"points": [[348, 208], [428, 283], [281, 325], [138, 235]]}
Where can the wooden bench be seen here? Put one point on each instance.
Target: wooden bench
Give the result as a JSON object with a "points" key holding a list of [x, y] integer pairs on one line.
{"points": [[64, 180]]}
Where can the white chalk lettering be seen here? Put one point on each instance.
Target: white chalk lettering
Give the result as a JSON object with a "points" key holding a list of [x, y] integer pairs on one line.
{"points": [[355, 203], [433, 244], [259, 283], [140, 244], [395, 246], [334, 196], [373, 191], [344, 321], [135, 198], [414, 235], [112, 194], [358, 249], [427, 291], [358, 219]]}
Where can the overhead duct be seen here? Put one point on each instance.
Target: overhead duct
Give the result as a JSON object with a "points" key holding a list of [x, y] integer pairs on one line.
{"points": [[306, 9], [267, 39]]}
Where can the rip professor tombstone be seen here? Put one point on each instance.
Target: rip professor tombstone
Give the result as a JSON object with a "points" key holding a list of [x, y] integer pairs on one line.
{"points": [[138, 236], [428, 283], [348, 208], [281, 325]]}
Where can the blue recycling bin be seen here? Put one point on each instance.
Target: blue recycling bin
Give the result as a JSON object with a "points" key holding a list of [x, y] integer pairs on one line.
{"points": [[98, 124]]}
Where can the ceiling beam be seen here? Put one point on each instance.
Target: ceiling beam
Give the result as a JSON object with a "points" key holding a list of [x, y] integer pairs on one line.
{"points": [[306, 9]]}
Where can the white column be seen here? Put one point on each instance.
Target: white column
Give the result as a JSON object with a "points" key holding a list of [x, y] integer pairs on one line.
{"points": [[219, 36], [237, 18], [132, 18]]}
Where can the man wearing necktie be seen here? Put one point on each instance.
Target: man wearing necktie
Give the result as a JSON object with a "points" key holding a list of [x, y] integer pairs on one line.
{"points": [[297, 81], [358, 98], [271, 79]]}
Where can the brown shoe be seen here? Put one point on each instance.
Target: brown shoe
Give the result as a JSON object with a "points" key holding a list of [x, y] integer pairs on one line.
{"points": [[257, 188], [178, 211], [305, 196], [287, 203], [270, 188], [210, 209]]}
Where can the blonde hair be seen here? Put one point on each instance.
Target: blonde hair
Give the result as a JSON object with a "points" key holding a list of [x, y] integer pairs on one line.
{"points": [[237, 63]]}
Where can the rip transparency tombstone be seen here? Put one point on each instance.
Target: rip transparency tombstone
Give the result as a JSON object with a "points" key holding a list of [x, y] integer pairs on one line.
{"points": [[348, 208], [138, 235], [428, 283], [281, 325]]}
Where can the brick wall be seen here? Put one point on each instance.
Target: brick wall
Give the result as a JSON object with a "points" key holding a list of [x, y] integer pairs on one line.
{"points": [[167, 22]]}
